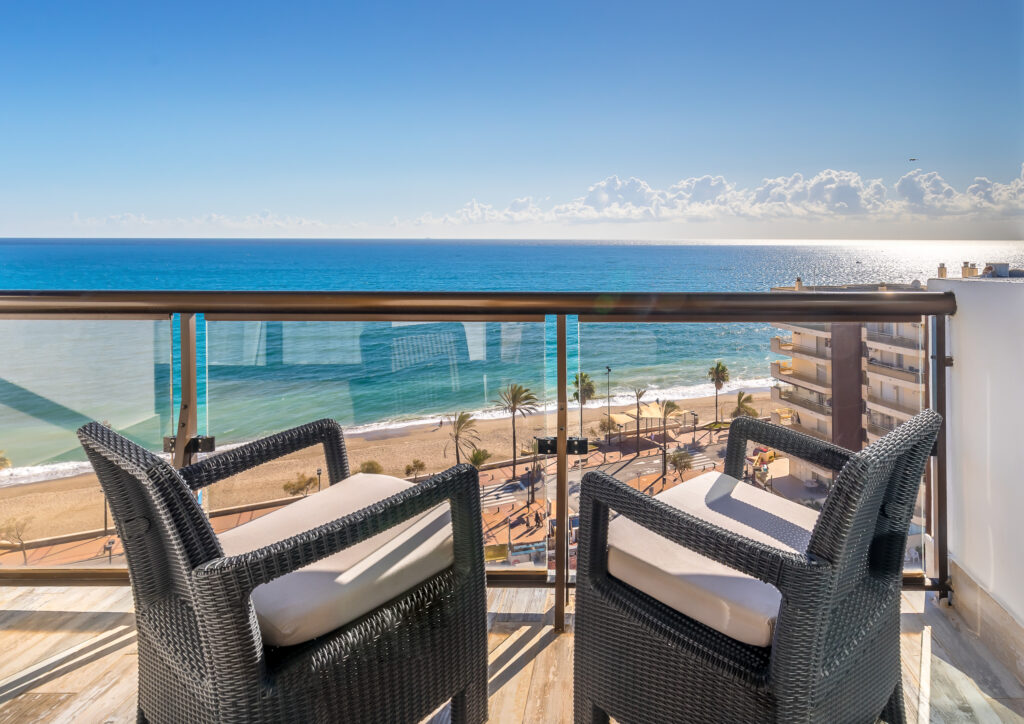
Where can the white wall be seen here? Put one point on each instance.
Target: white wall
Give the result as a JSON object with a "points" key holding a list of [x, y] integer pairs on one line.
{"points": [[985, 423]]}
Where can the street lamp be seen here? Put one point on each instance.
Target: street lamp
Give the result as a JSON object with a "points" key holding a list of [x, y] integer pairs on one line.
{"points": [[694, 414], [664, 443], [318, 472], [608, 396]]}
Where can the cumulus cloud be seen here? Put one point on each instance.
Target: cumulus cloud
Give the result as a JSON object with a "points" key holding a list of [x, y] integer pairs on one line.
{"points": [[841, 200], [828, 195]]}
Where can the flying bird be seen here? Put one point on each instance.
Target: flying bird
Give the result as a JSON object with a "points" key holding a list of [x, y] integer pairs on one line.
{"points": [[911, 159]]}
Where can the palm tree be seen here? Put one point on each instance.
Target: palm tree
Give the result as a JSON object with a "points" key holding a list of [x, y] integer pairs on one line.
{"points": [[414, 469], [5, 462], [681, 461], [667, 408], [584, 391], [478, 457], [743, 406], [517, 399], [719, 375], [463, 435], [638, 393]]}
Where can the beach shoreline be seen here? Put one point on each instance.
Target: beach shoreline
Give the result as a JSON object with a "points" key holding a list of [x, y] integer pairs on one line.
{"points": [[68, 505]]}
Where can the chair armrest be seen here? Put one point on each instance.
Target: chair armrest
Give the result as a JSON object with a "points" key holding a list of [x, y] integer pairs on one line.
{"points": [[803, 446], [458, 485], [223, 465], [786, 570]]}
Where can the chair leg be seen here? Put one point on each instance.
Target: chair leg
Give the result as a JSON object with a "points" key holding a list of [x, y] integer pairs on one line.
{"points": [[469, 706], [894, 711]]}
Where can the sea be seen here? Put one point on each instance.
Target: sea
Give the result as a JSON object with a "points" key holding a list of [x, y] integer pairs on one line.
{"points": [[256, 377]]}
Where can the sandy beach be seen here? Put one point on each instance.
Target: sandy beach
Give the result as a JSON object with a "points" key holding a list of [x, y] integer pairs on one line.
{"points": [[75, 504]]}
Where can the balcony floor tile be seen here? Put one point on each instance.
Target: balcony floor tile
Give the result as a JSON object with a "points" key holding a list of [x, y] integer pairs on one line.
{"points": [[76, 659]]}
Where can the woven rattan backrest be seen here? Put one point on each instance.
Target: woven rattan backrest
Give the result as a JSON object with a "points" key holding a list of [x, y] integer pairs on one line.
{"points": [[863, 525], [162, 528]]}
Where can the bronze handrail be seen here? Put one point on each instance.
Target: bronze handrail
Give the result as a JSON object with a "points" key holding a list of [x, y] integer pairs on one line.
{"points": [[590, 306]]}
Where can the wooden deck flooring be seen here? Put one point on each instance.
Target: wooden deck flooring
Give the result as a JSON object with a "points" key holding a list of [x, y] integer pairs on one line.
{"points": [[68, 654]]}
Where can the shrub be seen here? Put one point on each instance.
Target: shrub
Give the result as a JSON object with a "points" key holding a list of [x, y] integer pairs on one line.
{"points": [[300, 486]]}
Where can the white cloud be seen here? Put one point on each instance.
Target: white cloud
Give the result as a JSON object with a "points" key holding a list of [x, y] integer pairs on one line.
{"points": [[828, 195], [265, 223], [831, 203]]}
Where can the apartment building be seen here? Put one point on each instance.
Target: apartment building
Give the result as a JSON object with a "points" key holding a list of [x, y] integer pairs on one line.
{"points": [[846, 382]]}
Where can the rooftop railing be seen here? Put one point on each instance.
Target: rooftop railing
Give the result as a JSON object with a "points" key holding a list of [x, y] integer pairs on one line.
{"points": [[242, 340]]}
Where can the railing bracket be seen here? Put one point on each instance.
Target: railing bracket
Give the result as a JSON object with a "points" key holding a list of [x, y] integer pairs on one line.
{"points": [[197, 444]]}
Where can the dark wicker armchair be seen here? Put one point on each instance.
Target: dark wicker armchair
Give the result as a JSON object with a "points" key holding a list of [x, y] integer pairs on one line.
{"points": [[825, 649], [202, 656]]}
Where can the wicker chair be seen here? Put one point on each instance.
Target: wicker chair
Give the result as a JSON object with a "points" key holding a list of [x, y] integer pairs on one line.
{"points": [[833, 654], [201, 654]]}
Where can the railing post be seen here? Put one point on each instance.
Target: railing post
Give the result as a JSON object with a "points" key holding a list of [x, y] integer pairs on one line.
{"points": [[188, 417], [562, 482], [941, 362]]}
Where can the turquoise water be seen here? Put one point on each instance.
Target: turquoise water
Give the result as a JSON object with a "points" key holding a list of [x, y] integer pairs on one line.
{"points": [[257, 377]]}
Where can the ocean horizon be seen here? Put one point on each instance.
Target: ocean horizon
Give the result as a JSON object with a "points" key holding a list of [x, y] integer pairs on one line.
{"points": [[258, 377]]}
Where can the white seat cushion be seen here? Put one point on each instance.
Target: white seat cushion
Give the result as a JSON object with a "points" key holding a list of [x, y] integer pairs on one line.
{"points": [[334, 591], [734, 603]]}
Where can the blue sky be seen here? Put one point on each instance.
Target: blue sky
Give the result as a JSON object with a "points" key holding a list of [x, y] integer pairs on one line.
{"points": [[625, 120]]}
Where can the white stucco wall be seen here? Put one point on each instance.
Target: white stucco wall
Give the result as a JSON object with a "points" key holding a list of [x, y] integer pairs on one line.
{"points": [[985, 419]]}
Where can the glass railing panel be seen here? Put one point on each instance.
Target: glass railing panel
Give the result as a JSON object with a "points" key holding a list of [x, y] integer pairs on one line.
{"points": [[398, 389], [55, 376], [654, 420]]}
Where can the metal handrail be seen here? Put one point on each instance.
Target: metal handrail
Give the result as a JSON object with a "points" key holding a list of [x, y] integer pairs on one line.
{"points": [[590, 306]]}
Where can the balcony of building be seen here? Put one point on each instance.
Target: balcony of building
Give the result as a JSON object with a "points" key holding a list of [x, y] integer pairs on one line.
{"points": [[789, 417], [876, 429], [901, 409], [785, 372], [891, 342], [808, 404], [822, 355], [817, 329], [908, 375], [76, 644]]}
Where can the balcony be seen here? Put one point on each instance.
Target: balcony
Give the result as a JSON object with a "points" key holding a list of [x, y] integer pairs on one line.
{"points": [[890, 371], [784, 372], [790, 397], [890, 341], [781, 346], [76, 645], [879, 429], [823, 329], [789, 418], [892, 407]]}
